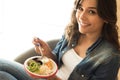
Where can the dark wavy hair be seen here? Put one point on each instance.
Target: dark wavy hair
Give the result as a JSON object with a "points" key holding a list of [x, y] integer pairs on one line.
{"points": [[107, 10]]}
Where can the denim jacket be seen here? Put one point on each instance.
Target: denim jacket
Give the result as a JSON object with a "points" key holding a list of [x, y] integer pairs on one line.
{"points": [[101, 61]]}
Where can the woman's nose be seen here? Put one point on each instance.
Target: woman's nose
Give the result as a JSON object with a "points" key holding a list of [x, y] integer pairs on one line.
{"points": [[82, 15]]}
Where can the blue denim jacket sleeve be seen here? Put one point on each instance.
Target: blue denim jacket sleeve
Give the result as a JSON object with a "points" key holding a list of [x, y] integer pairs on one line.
{"points": [[59, 49], [107, 71]]}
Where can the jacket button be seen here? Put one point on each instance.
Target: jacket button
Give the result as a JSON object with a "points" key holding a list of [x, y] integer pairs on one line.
{"points": [[63, 51], [82, 75], [72, 45]]}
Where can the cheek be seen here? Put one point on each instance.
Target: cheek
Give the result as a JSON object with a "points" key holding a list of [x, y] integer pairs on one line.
{"points": [[99, 23], [97, 26], [77, 16]]}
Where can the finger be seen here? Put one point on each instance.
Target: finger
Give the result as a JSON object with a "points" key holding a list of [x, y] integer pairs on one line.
{"points": [[35, 41], [35, 37]]}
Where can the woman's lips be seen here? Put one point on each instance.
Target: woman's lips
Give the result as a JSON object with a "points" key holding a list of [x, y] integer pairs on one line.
{"points": [[84, 24]]}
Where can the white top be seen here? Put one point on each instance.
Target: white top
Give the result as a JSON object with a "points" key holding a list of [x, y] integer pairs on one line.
{"points": [[70, 60]]}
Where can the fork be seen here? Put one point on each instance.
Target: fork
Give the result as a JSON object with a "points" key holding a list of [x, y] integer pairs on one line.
{"points": [[41, 49]]}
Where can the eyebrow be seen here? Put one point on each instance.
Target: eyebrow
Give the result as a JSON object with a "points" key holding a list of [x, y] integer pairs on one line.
{"points": [[92, 7], [88, 7]]}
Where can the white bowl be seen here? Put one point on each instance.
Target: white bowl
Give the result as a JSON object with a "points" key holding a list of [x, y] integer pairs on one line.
{"points": [[47, 69]]}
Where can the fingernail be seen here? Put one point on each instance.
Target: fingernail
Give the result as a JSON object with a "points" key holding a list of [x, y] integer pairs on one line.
{"points": [[37, 44]]}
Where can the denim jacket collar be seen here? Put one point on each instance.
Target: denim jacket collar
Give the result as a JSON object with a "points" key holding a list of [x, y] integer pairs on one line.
{"points": [[91, 47]]}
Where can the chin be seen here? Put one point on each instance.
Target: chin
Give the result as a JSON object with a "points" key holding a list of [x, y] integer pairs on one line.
{"points": [[82, 31]]}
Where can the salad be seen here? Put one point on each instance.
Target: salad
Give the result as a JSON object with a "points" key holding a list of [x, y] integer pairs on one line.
{"points": [[42, 66]]}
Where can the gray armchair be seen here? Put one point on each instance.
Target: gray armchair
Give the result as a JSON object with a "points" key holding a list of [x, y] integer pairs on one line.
{"points": [[31, 52]]}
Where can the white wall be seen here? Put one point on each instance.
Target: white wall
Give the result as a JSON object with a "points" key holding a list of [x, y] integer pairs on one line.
{"points": [[21, 20]]}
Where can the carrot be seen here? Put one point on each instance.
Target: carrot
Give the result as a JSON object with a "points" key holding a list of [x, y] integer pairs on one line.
{"points": [[49, 64]]}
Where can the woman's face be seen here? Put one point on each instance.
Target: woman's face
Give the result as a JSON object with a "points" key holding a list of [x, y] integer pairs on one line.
{"points": [[87, 17]]}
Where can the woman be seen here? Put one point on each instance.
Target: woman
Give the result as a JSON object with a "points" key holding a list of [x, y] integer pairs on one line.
{"points": [[89, 50]]}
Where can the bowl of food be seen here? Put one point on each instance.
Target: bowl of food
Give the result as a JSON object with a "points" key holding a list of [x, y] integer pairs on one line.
{"points": [[40, 67]]}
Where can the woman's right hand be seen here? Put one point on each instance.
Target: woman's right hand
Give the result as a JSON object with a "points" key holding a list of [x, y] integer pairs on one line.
{"points": [[44, 46]]}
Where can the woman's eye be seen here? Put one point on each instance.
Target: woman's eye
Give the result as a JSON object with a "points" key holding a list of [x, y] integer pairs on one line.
{"points": [[80, 9], [92, 12]]}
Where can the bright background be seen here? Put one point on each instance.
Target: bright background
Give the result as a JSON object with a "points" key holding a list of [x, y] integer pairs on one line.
{"points": [[21, 20]]}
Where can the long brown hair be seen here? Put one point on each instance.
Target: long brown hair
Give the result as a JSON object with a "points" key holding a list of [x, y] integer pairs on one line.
{"points": [[107, 10]]}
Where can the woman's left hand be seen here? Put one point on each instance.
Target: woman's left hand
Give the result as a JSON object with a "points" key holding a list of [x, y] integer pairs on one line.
{"points": [[54, 78]]}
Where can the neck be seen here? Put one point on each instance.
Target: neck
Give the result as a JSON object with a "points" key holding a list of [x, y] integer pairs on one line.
{"points": [[87, 39]]}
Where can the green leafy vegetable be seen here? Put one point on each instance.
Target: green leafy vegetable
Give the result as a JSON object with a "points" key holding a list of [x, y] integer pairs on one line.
{"points": [[33, 66]]}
